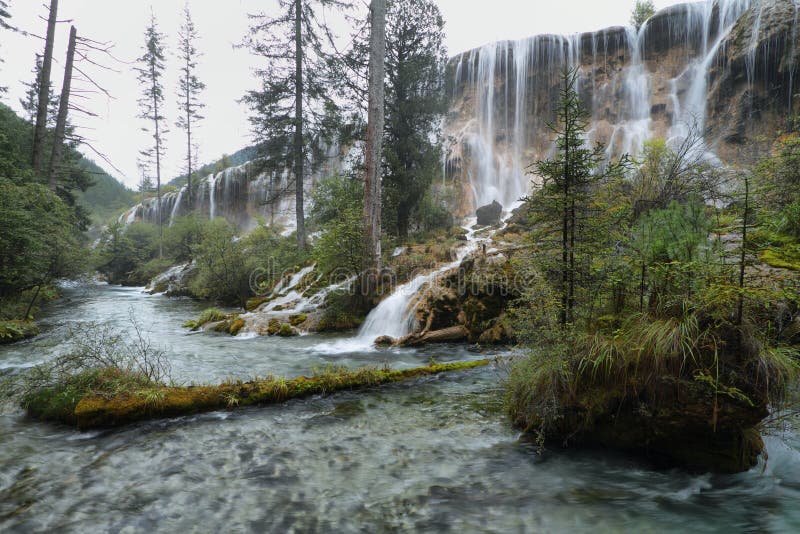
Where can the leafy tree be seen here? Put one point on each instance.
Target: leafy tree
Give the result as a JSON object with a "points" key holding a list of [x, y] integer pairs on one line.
{"points": [[562, 203], [189, 89], [338, 212], [643, 10], [293, 107], [37, 242], [123, 249], [150, 73], [223, 270]]}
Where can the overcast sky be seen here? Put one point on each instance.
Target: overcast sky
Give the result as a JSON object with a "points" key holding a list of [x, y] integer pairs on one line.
{"points": [[225, 69]]}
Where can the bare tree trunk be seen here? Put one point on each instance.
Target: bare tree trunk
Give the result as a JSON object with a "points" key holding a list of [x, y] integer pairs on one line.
{"points": [[298, 124], [372, 175], [157, 121], [63, 109], [188, 136], [40, 131]]}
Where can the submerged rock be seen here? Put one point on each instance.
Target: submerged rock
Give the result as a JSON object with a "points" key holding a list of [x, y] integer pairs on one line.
{"points": [[489, 214]]}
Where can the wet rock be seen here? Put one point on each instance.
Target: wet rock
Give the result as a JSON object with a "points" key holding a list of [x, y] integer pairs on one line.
{"points": [[384, 341], [489, 214]]}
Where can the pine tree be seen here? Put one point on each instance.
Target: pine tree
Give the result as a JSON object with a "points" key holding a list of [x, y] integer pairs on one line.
{"points": [[31, 101], [4, 25], [189, 89], [643, 10], [561, 203], [416, 59], [294, 105], [151, 71]]}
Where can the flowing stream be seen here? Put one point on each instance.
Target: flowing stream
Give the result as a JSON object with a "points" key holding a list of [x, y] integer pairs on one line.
{"points": [[434, 455]]}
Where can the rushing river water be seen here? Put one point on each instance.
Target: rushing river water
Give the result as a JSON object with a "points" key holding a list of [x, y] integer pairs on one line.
{"points": [[433, 455]]}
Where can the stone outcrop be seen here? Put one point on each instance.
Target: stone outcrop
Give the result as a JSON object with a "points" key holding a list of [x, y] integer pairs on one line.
{"points": [[490, 214]]}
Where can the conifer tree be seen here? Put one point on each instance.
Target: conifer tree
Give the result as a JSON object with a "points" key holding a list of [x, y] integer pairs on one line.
{"points": [[567, 179], [294, 104], [189, 89], [40, 130], [151, 103]]}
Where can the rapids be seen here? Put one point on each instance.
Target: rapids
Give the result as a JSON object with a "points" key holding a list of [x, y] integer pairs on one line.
{"points": [[434, 455]]}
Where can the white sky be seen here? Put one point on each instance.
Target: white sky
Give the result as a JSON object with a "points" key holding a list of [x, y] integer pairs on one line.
{"points": [[225, 70]]}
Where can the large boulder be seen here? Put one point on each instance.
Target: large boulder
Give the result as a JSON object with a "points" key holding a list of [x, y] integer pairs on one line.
{"points": [[489, 214]]}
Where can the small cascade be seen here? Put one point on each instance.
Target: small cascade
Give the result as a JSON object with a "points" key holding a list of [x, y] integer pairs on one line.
{"points": [[212, 196], [176, 209]]}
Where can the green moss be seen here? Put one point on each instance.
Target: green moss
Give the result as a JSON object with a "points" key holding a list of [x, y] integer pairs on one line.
{"points": [[784, 258], [101, 411], [236, 326], [273, 327], [13, 331], [255, 302], [298, 319], [210, 315], [287, 330]]}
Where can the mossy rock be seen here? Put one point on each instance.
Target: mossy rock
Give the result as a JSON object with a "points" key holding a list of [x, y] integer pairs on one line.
{"points": [[236, 326], [273, 327], [298, 319], [13, 331], [287, 330], [255, 302]]}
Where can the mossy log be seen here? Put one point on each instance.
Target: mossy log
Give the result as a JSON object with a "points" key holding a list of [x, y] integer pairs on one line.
{"points": [[445, 335], [103, 412]]}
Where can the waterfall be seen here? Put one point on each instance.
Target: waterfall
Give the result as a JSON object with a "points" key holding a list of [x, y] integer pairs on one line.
{"points": [[177, 207], [212, 196]]}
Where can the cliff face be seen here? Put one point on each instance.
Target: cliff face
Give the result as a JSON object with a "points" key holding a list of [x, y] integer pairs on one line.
{"points": [[726, 68]]}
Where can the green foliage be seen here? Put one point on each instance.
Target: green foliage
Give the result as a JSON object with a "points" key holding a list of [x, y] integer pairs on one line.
{"points": [[338, 211], [39, 242], [100, 361], [209, 315], [415, 103], [106, 197], [223, 270], [125, 249], [643, 10]]}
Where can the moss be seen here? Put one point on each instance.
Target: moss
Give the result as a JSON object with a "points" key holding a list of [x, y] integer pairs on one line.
{"points": [[13, 331], [297, 319], [210, 315], [99, 411], [236, 326], [785, 258], [273, 327], [255, 302], [287, 330]]}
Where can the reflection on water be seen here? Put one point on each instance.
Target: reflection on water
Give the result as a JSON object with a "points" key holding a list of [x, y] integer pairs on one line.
{"points": [[434, 455]]}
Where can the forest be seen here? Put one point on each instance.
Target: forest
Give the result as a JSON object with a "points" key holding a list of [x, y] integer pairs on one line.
{"points": [[542, 277]]}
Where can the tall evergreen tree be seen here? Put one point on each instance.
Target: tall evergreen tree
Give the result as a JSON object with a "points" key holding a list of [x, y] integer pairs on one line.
{"points": [[31, 101], [415, 63], [561, 204], [189, 89], [151, 103], [293, 107], [4, 25]]}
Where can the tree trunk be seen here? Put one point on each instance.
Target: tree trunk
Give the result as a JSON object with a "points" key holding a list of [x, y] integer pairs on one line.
{"points": [[156, 120], [188, 137], [63, 109], [298, 124], [40, 131], [402, 221], [372, 174]]}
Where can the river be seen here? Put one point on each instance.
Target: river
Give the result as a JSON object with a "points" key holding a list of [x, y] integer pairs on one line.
{"points": [[435, 455]]}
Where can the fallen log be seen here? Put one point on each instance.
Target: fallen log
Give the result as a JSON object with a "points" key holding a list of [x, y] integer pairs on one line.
{"points": [[98, 411], [446, 335]]}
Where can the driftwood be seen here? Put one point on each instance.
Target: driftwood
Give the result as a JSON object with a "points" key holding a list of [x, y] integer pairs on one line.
{"points": [[446, 335]]}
